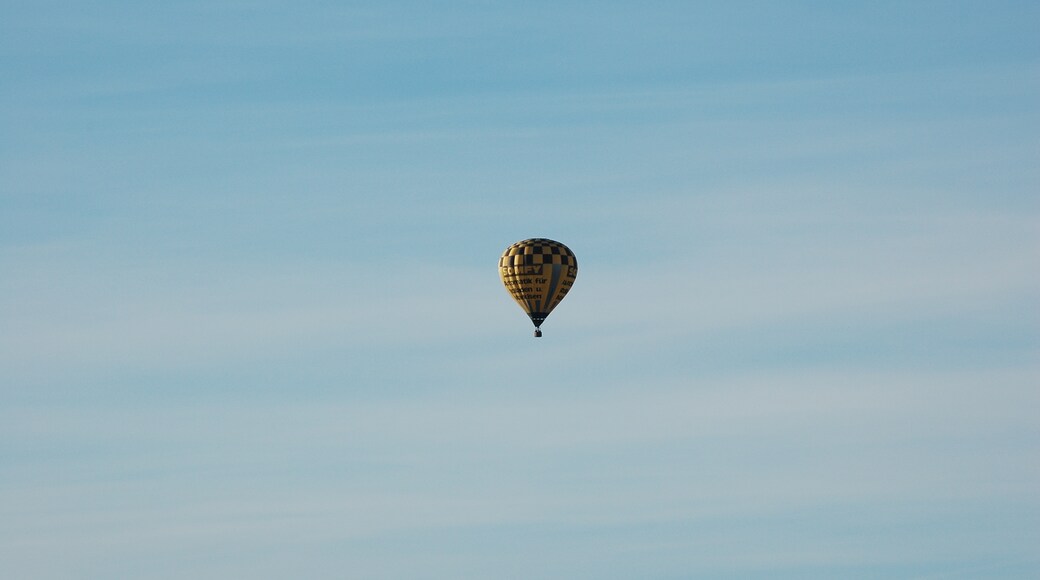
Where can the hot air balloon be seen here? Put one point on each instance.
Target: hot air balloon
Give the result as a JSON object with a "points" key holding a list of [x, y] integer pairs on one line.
{"points": [[538, 273]]}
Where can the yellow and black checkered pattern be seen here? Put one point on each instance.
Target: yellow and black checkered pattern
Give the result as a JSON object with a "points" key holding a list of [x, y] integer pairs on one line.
{"points": [[537, 251], [538, 273]]}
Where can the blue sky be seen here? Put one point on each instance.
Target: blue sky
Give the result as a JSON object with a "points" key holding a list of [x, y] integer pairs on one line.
{"points": [[252, 324]]}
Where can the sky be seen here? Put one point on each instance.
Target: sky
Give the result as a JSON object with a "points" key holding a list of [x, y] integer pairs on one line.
{"points": [[251, 324]]}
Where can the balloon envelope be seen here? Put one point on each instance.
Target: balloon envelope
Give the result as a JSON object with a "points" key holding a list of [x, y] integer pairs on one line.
{"points": [[538, 273]]}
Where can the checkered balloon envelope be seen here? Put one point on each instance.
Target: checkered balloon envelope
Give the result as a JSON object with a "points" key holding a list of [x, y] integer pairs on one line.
{"points": [[538, 273]]}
